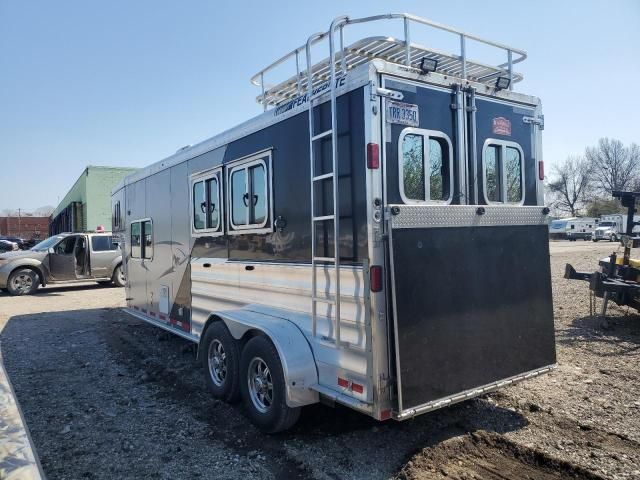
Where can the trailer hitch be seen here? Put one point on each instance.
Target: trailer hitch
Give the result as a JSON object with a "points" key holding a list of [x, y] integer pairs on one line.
{"points": [[571, 273]]}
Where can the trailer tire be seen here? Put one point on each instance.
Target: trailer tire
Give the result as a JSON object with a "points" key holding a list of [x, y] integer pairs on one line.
{"points": [[220, 362], [118, 277], [263, 387], [23, 281]]}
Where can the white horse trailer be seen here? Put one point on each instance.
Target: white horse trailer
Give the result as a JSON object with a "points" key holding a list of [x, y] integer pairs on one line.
{"points": [[377, 237]]}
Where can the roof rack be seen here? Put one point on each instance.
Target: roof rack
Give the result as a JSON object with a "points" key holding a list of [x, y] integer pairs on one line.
{"points": [[392, 50]]}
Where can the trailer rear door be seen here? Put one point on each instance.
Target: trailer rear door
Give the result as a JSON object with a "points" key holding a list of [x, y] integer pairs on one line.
{"points": [[470, 279]]}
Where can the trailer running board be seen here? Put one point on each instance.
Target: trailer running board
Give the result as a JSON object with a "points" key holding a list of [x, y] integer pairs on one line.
{"points": [[461, 397]]}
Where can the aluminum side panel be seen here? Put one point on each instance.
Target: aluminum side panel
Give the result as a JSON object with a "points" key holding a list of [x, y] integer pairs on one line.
{"points": [[284, 291]]}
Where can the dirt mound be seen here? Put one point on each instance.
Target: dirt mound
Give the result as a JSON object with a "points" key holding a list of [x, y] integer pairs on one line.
{"points": [[487, 456]]}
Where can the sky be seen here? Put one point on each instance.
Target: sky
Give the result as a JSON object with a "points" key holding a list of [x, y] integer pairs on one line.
{"points": [[127, 83]]}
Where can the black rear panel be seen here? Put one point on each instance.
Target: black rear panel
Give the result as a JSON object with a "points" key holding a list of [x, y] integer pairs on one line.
{"points": [[473, 306]]}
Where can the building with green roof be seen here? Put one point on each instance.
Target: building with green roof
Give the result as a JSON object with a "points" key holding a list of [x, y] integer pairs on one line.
{"points": [[87, 204]]}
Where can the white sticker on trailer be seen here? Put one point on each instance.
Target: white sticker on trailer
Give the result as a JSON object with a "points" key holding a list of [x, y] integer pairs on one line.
{"points": [[403, 113]]}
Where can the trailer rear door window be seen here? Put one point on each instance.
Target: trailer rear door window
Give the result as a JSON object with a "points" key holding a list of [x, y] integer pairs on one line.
{"points": [[250, 194], [503, 172], [492, 173], [425, 166], [513, 174]]}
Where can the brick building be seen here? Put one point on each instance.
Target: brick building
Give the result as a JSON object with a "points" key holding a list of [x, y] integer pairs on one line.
{"points": [[25, 226]]}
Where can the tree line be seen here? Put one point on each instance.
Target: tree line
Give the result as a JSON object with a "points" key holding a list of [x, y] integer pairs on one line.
{"points": [[583, 183]]}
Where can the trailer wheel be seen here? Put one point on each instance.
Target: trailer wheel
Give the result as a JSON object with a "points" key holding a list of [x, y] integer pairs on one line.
{"points": [[263, 388], [23, 281], [220, 363], [118, 278]]}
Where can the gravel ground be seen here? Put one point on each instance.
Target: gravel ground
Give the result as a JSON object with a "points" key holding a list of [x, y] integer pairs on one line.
{"points": [[107, 396]]}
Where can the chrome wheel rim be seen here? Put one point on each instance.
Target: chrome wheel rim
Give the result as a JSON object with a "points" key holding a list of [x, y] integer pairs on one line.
{"points": [[22, 282], [217, 363], [121, 276], [260, 385]]}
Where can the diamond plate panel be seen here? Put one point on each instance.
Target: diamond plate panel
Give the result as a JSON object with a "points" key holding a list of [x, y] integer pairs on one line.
{"points": [[438, 216]]}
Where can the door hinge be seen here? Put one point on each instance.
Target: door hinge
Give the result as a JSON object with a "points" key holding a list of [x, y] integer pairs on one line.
{"points": [[539, 121], [386, 93]]}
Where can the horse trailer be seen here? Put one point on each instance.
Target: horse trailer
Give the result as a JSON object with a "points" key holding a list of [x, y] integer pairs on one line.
{"points": [[376, 238]]}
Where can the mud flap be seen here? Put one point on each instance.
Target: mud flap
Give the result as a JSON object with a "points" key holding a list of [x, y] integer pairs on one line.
{"points": [[472, 303]]}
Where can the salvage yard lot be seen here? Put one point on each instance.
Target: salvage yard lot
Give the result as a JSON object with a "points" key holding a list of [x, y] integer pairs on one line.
{"points": [[107, 396]]}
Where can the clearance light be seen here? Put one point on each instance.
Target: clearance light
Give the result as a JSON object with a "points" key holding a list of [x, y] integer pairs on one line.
{"points": [[428, 65], [373, 156], [375, 278], [541, 170], [502, 83]]}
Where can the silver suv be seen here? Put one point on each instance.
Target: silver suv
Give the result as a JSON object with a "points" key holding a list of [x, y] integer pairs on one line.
{"points": [[67, 257]]}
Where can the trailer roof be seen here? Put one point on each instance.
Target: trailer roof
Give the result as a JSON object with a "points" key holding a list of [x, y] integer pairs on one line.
{"points": [[389, 49], [393, 51]]}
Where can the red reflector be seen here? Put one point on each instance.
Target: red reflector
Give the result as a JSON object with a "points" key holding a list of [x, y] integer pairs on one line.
{"points": [[357, 388], [343, 382], [375, 278], [541, 170], [385, 415], [373, 155]]}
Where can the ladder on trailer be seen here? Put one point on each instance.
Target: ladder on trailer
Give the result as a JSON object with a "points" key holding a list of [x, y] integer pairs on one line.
{"points": [[330, 263]]}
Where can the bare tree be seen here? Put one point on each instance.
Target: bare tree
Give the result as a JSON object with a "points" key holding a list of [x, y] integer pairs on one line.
{"points": [[614, 166], [45, 211], [570, 184]]}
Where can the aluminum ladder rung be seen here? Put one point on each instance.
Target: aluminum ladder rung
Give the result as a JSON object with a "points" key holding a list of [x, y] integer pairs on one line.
{"points": [[327, 300], [326, 263], [323, 176], [324, 259], [326, 133], [323, 218]]}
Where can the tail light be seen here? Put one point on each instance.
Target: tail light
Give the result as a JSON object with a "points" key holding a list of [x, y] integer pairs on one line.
{"points": [[541, 170], [375, 278], [373, 156]]}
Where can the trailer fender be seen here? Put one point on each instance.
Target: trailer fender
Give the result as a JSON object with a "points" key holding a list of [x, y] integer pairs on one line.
{"points": [[298, 363]]}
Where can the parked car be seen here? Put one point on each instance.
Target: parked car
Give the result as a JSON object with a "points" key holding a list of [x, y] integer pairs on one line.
{"points": [[8, 246], [18, 241], [68, 257]]}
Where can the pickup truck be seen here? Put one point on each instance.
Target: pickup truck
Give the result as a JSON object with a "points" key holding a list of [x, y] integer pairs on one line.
{"points": [[67, 257]]}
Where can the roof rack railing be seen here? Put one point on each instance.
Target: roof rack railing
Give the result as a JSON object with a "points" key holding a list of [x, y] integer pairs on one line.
{"points": [[464, 65]]}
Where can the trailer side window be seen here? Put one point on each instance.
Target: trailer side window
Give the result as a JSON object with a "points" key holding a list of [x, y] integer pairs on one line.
{"points": [[147, 232], [503, 172], [206, 204], [136, 240], [116, 220], [142, 239], [199, 206], [425, 166], [250, 194]]}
